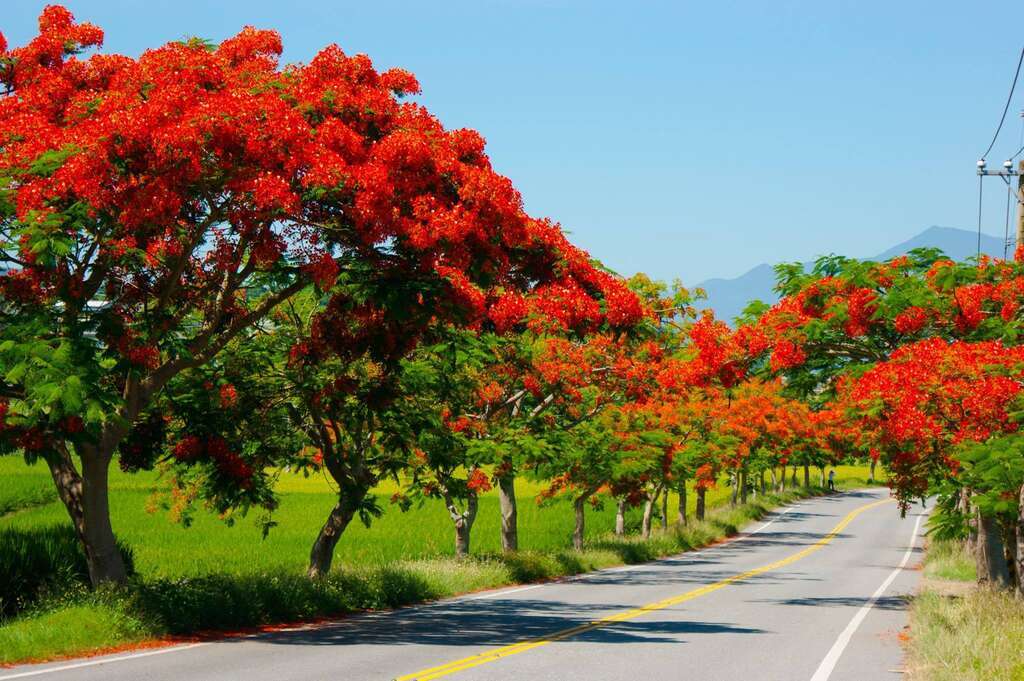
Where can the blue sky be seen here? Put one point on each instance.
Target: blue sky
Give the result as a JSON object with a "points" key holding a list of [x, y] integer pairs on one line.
{"points": [[682, 139]]}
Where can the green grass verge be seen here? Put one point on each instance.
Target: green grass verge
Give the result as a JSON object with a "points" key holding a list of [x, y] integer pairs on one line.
{"points": [[156, 605], [71, 629], [960, 632], [949, 560], [978, 636]]}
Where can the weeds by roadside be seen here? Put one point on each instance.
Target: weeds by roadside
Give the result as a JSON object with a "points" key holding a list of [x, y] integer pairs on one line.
{"points": [[960, 632]]}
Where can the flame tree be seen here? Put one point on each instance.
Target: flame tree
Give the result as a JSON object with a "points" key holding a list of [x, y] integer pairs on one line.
{"points": [[154, 210]]}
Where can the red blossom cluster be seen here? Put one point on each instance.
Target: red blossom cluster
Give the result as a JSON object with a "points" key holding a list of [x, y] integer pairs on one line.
{"points": [[931, 395], [192, 448], [308, 162], [228, 396], [910, 320]]}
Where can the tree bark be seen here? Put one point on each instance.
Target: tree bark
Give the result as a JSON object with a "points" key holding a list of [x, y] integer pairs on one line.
{"points": [[764, 489], [699, 510], [581, 518], [742, 477], [821, 469], [793, 481], [871, 474], [85, 497], [1009, 535], [1020, 544], [509, 513], [989, 554], [681, 516], [620, 518], [322, 554], [775, 481], [735, 488], [807, 475], [645, 526], [972, 520], [463, 526], [664, 510]]}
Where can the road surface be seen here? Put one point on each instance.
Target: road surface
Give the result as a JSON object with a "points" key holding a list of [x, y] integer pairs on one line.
{"points": [[812, 593]]}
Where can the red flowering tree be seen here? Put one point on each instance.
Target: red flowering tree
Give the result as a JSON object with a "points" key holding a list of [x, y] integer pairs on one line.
{"points": [[848, 313], [847, 316], [153, 210], [930, 400]]}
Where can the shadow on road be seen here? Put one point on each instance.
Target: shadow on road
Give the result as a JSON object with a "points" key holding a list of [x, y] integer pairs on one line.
{"points": [[494, 623], [883, 603]]}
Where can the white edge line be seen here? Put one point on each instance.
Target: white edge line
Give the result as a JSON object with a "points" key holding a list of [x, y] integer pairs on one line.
{"points": [[503, 592], [103, 660], [828, 665]]}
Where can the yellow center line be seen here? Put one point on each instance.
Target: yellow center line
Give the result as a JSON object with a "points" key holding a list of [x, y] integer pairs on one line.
{"points": [[529, 644]]}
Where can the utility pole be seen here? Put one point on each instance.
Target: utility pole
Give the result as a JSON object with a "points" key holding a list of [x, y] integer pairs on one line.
{"points": [[1020, 203], [1007, 173]]}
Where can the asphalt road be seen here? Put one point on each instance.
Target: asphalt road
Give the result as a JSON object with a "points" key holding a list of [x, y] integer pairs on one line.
{"points": [[813, 592]]}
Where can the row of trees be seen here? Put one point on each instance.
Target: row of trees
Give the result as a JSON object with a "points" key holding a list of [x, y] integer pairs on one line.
{"points": [[924, 357], [224, 267]]}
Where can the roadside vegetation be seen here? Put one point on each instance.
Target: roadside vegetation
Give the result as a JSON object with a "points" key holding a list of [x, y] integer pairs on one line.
{"points": [[960, 631]]}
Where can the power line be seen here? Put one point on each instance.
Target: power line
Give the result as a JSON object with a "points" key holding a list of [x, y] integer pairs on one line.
{"points": [[1006, 108]]}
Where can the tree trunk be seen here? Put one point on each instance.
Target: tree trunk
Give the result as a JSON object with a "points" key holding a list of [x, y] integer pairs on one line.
{"points": [[821, 469], [1009, 535], [463, 520], [793, 481], [1020, 544], [871, 475], [322, 554], [699, 511], [775, 481], [664, 510], [681, 517], [735, 488], [743, 486], [989, 554], [581, 518], [807, 475], [86, 499], [509, 513], [764, 489], [620, 517], [972, 520], [645, 526]]}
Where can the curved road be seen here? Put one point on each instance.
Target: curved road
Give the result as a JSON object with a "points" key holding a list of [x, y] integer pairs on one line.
{"points": [[813, 593]]}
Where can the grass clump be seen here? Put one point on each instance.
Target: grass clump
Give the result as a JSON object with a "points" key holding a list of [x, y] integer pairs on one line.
{"points": [[41, 562], [976, 637], [90, 624], [949, 560]]}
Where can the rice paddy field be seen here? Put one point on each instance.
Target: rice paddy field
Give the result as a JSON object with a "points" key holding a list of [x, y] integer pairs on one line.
{"points": [[164, 548]]}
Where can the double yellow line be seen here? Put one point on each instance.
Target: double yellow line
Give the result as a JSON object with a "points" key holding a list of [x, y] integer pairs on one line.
{"points": [[530, 644]]}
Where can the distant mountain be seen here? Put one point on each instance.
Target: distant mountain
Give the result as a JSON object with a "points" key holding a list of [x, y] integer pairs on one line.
{"points": [[728, 297]]}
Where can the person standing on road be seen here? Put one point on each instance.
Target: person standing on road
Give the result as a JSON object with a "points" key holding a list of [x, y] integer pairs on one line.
{"points": [[832, 480]]}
